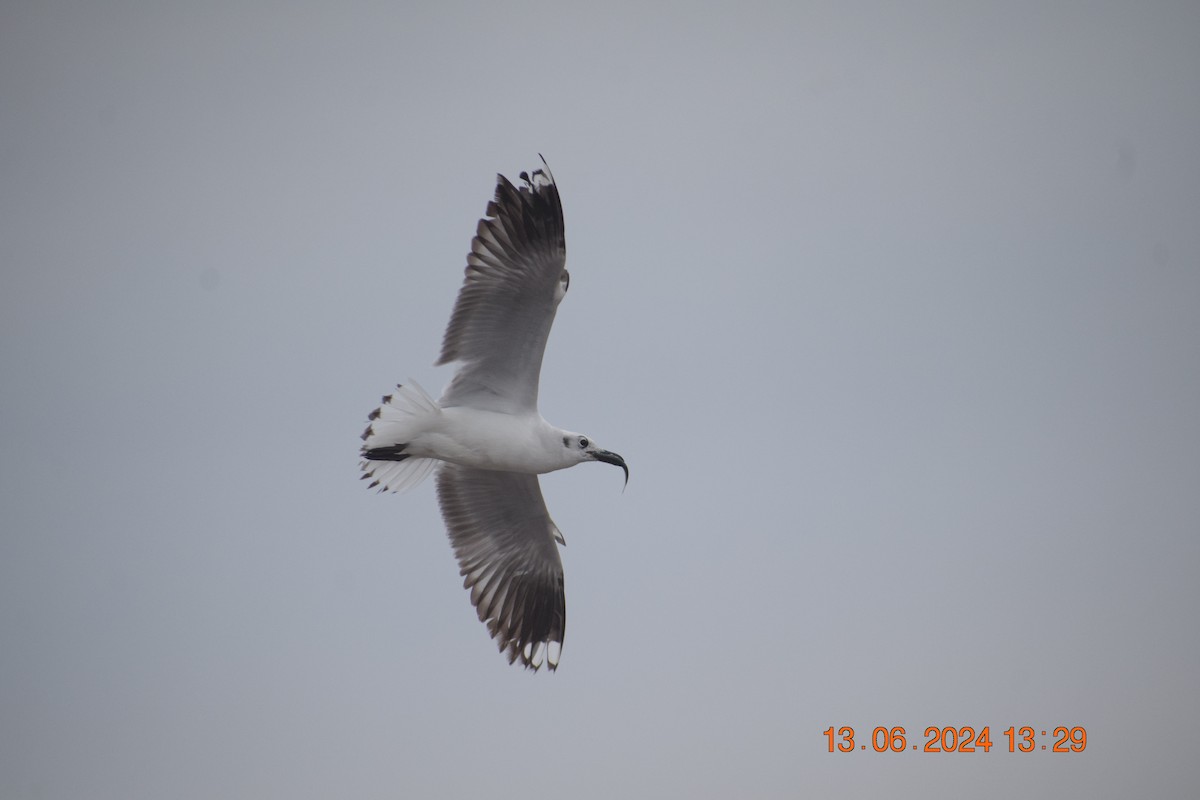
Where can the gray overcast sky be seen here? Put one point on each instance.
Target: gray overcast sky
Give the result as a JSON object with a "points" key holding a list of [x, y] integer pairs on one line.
{"points": [[894, 310]]}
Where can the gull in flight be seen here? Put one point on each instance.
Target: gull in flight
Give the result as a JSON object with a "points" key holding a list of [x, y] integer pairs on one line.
{"points": [[485, 436]]}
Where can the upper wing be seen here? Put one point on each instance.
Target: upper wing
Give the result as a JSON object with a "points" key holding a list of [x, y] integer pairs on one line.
{"points": [[505, 544], [516, 275]]}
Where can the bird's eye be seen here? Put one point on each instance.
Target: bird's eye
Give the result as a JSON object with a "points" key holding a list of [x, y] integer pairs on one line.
{"points": [[583, 442]]}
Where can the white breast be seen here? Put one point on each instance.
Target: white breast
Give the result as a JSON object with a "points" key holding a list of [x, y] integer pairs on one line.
{"points": [[472, 437]]}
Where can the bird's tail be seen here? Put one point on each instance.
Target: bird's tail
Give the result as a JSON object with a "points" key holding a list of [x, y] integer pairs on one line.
{"points": [[401, 415]]}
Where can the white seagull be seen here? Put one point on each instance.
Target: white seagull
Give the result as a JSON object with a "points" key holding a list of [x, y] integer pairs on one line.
{"points": [[485, 435]]}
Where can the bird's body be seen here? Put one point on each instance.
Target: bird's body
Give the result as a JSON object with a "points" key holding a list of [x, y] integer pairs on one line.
{"points": [[482, 439], [485, 436], [471, 437]]}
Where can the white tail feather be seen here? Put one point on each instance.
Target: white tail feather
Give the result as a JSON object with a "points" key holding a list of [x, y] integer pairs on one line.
{"points": [[402, 415], [398, 476]]}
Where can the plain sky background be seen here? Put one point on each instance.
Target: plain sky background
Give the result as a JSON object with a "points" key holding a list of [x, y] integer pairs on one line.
{"points": [[893, 308]]}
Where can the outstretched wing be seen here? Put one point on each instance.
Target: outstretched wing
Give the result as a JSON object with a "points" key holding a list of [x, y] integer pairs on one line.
{"points": [[515, 278], [507, 554]]}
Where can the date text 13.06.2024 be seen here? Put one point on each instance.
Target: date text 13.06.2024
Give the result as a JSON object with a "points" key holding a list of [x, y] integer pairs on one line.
{"points": [[1014, 739]]}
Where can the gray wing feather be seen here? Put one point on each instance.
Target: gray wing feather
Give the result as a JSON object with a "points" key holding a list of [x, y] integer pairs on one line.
{"points": [[515, 278], [504, 540]]}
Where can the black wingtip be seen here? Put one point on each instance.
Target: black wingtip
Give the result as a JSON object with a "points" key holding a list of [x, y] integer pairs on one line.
{"points": [[545, 170]]}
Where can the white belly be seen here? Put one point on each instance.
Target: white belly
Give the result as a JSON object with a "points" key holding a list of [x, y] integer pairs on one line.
{"points": [[487, 440]]}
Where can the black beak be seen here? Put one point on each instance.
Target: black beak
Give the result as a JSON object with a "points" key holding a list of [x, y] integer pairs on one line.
{"points": [[612, 458]]}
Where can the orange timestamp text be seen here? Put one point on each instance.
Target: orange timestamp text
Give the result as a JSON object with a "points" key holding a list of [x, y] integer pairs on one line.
{"points": [[949, 739]]}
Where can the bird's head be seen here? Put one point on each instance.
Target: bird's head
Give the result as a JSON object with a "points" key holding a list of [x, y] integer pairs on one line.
{"points": [[581, 448]]}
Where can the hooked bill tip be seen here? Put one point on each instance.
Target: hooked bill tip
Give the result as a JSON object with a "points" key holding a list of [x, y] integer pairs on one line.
{"points": [[609, 457]]}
